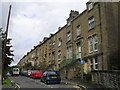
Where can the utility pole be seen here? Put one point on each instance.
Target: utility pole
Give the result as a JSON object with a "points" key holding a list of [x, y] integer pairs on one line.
{"points": [[4, 47]]}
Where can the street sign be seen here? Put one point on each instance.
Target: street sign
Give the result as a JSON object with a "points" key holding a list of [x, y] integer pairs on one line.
{"points": [[81, 61]]}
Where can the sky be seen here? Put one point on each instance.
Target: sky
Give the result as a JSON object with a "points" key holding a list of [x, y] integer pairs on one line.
{"points": [[31, 21]]}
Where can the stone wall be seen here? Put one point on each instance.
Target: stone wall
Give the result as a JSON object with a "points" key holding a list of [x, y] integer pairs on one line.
{"points": [[109, 79], [71, 71]]}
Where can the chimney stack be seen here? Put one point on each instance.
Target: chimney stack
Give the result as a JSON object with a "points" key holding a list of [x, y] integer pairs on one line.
{"points": [[72, 15]]}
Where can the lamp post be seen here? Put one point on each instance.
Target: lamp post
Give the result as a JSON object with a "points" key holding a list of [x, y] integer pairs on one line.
{"points": [[4, 47]]}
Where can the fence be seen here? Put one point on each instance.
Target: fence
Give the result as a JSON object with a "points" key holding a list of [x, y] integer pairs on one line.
{"points": [[109, 79]]}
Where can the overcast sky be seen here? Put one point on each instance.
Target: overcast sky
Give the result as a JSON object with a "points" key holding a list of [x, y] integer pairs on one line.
{"points": [[31, 21]]}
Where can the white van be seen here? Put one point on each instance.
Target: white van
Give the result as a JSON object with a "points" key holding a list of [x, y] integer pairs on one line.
{"points": [[15, 71]]}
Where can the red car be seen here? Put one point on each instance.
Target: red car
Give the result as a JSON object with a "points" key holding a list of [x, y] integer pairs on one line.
{"points": [[36, 74]]}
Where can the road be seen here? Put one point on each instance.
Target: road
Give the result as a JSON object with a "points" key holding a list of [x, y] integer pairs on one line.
{"points": [[26, 82]]}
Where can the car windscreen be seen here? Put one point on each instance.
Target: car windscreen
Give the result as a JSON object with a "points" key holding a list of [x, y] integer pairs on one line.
{"points": [[15, 70], [52, 73]]}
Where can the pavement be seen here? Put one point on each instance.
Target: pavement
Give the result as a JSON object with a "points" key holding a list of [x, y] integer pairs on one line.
{"points": [[0, 85], [83, 84]]}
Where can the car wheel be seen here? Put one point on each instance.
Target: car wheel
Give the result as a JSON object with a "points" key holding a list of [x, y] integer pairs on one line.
{"points": [[46, 82], [33, 77], [41, 80]]}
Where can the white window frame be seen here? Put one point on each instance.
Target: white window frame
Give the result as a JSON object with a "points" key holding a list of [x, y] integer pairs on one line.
{"points": [[95, 42], [69, 52], [78, 29], [95, 63], [59, 55], [90, 41], [90, 6], [91, 64], [91, 22], [78, 50], [53, 43], [69, 23], [59, 42], [69, 37]]}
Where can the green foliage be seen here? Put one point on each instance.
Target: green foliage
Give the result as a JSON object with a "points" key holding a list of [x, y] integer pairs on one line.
{"points": [[8, 53], [7, 82], [68, 62], [88, 77], [28, 65]]}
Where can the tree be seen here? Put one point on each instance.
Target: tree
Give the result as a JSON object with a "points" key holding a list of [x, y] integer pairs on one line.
{"points": [[28, 65], [8, 53], [8, 56]]}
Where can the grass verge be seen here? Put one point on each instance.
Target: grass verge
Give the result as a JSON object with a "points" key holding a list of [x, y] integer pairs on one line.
{"points": [[7, 82]]}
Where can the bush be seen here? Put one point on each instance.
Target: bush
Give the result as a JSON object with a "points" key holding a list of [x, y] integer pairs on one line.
{"points": [[88, 77]]}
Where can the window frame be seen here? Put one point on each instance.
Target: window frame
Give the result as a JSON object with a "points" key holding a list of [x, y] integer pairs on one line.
{"points": [[69, 52], [95, 63], [69, 36], [59, 55], [90, 44], [95, 42], [90, 6], [78, 30], [59, 42], [78, 50], [91, 22]]}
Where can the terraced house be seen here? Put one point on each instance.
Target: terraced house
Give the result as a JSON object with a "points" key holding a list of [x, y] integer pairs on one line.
{"points": [[90, 36]]}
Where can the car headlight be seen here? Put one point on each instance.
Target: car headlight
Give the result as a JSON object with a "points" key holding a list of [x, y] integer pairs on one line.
{"points": [[48, 78]]}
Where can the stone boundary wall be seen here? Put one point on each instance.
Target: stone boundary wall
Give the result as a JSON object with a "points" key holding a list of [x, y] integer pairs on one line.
{"points": [[109, 79]]}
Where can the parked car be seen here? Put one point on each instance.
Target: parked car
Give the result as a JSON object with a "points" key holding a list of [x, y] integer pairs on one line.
{"points": [[36, 74], [24, 73], [29, 72], [15, 72], [50, 77], [8, 74]]}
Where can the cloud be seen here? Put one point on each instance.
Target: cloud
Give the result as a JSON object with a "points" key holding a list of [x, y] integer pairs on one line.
{"points": [[45, 1], [30, 22]]}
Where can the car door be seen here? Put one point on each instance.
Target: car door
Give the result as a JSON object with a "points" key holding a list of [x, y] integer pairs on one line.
{"points": [[43, 78]]}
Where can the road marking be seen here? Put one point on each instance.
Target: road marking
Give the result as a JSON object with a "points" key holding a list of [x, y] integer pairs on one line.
{"points": [[50, 86], [15, 83], [76, 87], [18, 85]]}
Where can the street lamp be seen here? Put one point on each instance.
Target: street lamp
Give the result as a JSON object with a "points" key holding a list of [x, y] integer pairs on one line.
{"points": [[4, 44]]}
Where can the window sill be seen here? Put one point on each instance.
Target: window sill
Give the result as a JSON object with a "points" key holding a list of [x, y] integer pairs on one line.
{"points": [[96, 50], [59, 59], [68, 26], [90, 52], [59, 46], [90, 9], [91, 29], [78, 36]]}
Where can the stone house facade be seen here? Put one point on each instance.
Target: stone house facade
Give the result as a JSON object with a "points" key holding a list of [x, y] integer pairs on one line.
{"points": [[90, 36]]}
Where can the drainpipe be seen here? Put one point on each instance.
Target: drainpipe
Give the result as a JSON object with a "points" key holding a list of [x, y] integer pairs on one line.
{"points": [[100, 32]]}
